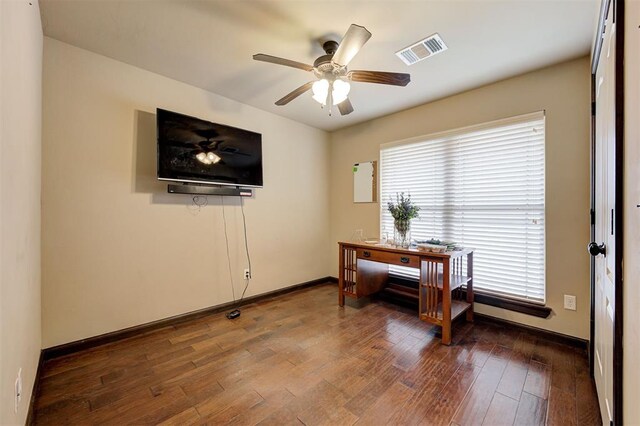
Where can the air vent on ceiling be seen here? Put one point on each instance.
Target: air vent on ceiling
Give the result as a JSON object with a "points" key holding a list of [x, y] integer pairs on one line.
{"points": [[430, 46]]}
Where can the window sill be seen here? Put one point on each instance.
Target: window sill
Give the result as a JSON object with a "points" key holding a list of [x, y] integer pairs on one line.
{"points": [[513, 305]]}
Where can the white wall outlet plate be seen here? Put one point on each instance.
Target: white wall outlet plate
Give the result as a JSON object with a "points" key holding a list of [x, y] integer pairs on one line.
{"points": [[247, 274], [570, 302]]}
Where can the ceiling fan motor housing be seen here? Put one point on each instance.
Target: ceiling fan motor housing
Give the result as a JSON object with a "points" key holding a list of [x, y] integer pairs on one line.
{"points": [[323, 63], [324, 66]]}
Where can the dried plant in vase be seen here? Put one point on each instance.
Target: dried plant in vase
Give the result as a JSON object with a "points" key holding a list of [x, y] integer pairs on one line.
{"points": [[402, 211]]}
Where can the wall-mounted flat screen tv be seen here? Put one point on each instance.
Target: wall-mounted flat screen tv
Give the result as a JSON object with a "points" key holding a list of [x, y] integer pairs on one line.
{"points": [[199, 151]]}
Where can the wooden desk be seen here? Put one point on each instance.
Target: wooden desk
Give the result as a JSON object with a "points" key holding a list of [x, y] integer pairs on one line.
{"points": [[364, 270]]}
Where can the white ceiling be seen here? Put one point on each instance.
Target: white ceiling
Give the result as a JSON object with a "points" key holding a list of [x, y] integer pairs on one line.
{"points": [[209, 44]]}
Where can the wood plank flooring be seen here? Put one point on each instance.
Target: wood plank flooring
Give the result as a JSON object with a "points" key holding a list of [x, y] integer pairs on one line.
{"points": [[300, 359]]}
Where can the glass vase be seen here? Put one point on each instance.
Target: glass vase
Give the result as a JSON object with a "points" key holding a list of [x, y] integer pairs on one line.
{"points": [[402, 233]]}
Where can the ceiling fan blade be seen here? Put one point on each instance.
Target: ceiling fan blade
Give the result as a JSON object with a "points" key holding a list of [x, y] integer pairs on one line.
{"points": [[281, 61], [345, 107], [297, 92], [380, 77], [353, 40]]}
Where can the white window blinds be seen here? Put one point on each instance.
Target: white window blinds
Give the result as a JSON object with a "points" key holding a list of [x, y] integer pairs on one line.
{"points": [[481, 187]]}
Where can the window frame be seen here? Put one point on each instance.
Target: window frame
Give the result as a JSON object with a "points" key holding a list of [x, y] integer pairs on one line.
{"points": [[528, 306]]}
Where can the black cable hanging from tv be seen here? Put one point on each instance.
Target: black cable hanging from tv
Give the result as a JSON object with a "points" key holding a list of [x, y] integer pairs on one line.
{"points": [[235, 313]]}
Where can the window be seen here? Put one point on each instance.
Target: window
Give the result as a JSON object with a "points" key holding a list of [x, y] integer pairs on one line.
{"points": [[481, 187]]}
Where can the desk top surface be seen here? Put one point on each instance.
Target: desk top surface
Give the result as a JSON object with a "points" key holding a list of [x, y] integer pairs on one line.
{"points": [[412, 251]]}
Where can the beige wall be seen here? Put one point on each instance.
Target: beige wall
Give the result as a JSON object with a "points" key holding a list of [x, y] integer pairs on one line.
{"points": [[563, 91], [117, 250], [631, 290], [20, 135]]}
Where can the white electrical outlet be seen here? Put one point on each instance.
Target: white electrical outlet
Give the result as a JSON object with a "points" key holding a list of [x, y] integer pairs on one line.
{"points": [[18, 390], [570, 302], [247, 274]]}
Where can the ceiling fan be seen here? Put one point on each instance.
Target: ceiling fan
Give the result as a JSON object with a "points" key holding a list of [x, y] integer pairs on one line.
{"points": [[332, 84]]}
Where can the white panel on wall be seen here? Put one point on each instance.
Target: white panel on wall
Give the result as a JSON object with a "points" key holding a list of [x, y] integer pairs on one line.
{"points": [[364, 182]]}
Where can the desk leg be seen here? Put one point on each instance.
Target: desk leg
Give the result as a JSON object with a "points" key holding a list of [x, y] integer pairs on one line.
{"points": [[446, 302], [341, 276], [470, 286]]}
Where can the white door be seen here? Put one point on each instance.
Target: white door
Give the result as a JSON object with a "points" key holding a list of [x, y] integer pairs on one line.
{"points": [[604, 223]]}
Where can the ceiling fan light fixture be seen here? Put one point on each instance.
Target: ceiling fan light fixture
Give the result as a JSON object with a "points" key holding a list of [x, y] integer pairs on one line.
{"points": [[320, 89], [339, 93]]}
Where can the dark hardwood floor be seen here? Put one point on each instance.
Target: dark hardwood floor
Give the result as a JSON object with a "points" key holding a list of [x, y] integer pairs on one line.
{"points": [[300, 358]]}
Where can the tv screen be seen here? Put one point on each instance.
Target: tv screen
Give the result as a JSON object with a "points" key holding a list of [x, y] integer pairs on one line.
{"points": [[194, 150]]}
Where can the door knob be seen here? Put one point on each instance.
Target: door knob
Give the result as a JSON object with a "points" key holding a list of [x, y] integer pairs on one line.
{"points": [[595, 249]]}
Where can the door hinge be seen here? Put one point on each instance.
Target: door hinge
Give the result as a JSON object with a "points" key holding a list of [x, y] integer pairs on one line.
{"points": [[593, 108]]}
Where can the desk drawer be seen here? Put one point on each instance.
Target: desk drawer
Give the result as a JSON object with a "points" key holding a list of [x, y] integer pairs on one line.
{"points": [[390, 258]]}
